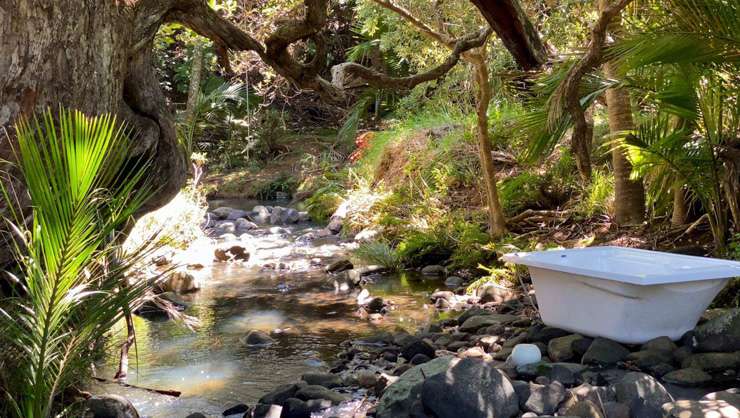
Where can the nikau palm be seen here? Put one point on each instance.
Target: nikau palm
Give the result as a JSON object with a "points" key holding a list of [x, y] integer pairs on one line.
{"points": [[71, 282]]}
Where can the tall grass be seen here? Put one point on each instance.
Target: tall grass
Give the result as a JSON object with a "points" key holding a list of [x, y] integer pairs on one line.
{"points": [[70, 285]]}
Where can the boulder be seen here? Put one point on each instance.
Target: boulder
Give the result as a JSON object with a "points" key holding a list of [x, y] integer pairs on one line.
{"points": [[109, 406], [648, 359], [434, 270], [280, 394], [641, 391], [495, 294], [453, 282], [291, 216], [545, 399], [664, 344], [266, 411], [398, 398], [688, 377], [245, 225], [222, 212], [472, 388], [476, 322], [235, 214], [586, 392], [604, 352], [327, 380], [721, 333], [543, 334], [561, 348], [339, 266], [309, 392], [335, 225], [474, 311], [712, 361], [180, 281], [236, 409], [258, 339], [417, 346]]}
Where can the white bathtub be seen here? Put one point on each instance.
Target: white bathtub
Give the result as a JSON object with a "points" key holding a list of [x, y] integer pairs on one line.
{"points": [[625, 294]]}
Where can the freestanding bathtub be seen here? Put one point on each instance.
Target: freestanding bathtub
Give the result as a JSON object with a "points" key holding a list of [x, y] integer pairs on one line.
{"points": [[625, 294]]}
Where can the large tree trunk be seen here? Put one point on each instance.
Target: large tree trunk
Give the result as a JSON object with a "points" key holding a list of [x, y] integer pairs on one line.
{"points": [[80, 56], [629, 195]]}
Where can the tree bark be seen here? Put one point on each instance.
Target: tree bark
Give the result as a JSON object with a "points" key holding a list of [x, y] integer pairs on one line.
{"points": [[629, 195], [680, 211], [511, 24], [497, 221], [196, 70]]}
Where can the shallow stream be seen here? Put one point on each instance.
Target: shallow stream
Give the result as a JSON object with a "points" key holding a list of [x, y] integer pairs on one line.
{"points": [[212, 367]]}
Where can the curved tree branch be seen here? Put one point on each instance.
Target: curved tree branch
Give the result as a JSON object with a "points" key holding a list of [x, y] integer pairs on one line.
{"points": [[567, 96]]}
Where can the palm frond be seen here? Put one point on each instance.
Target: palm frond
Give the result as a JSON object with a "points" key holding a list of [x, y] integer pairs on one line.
{"points": [[73, 275]]}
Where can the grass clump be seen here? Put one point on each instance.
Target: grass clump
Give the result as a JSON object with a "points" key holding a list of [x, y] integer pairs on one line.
{"points": [[379, 253]]}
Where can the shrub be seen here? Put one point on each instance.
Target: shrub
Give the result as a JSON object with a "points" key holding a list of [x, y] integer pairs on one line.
{"points": [[71, 287], [598, 197]]}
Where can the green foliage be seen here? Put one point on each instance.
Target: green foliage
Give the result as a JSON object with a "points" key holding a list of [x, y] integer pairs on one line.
{"points": [[379, 253], [503, 276], [419, 248], [597, 197], [284, 184], [71, 287], [520, 192]]}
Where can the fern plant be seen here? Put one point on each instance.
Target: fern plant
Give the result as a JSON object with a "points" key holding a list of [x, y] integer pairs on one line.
{"points": [[71, 279]]}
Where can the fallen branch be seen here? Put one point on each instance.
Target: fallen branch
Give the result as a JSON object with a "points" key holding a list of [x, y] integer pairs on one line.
{"points": [[174, 393], [540, 214]]}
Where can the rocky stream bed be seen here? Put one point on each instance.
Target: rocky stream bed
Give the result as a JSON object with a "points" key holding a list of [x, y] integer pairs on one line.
{"points": [[347, 344]]}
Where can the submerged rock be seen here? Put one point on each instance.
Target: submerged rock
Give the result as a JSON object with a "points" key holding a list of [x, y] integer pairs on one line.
{"points": [[109, 406], [339, 266], [258, 339], [434, 270], [236, 409]]}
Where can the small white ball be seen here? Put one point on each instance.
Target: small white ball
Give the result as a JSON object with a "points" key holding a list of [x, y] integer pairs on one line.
{"points": [[525, 354]]}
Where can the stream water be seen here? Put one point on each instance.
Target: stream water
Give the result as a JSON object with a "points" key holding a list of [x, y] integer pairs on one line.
{"points": [[212, 367]]}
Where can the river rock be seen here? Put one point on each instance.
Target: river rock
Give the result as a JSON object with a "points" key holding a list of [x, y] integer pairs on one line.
{"points": [[585, 409], [280, 394], [196, 415], [110, 406], [222, 212], [688, 377], [453, 282], [327, 380], [660, 344], [604, 352], [417, 346], [712, 361], [303, 216], [266, 411], [235, 214], [335, 225], [648, 359], [543, 334], [236, 409], [545, 399], [642, 392], [243, 224], [180, 281], [434, 270], [476, 322], [495, 294], [700, 409], [721, 333], [339, 266], [309, 392], [472, 388], [258, 339], [399, 397], [231, 251], [225, 227], [586, 392], [561, 348]]}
